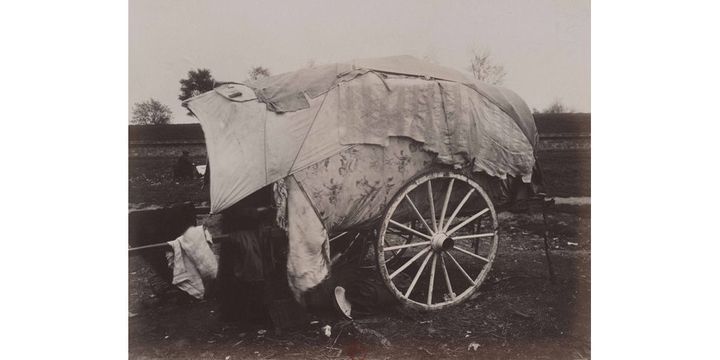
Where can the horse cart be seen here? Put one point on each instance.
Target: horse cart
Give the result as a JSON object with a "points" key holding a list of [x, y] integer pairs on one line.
{"points": [[395, 158]]}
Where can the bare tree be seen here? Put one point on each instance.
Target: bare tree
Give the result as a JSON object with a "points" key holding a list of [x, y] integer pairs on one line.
{"points": [[485, 70], [557, 107], [430, 56], [258, 72], [151, 112]]}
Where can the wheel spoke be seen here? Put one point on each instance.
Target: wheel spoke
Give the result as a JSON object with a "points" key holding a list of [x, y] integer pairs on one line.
{"points": [[471, 254], [461, 269], [457, 209], [385, 244], [432, 205], [447, 277], [432, 279], [445, 203], [418, 214], [400, 269], [410, 230], [467, 221], [398, 247], [417, 276], [473, 236], [398, 233]]}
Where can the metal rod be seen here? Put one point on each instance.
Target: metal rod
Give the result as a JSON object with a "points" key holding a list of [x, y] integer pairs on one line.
{"points": [[152, 246], [546, 235], [338, 236]]}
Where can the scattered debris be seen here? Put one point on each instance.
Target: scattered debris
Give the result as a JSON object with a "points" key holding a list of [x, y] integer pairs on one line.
{"points": [[262, 332], [327, 330], [314, 322], [474, 346], [371, 334], [572, 243], [426, 351]]}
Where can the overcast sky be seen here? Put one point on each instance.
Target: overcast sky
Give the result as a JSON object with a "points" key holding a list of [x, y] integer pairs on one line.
{"points": [[544, 45]]}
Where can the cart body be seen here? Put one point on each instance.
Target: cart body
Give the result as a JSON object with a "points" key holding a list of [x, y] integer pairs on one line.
{"points": [[351, 144]]}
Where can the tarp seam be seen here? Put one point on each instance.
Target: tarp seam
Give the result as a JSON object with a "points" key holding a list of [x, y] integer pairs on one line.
{"points": [[307, 197], [307, 133]]}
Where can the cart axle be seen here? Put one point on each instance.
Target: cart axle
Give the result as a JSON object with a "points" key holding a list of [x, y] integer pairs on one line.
{"points": [[441, 242]]}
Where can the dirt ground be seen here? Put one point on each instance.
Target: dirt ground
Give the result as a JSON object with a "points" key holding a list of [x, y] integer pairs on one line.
{"points": [[519, 313]]}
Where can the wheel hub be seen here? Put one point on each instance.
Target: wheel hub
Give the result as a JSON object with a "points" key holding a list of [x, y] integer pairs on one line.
{"points": [[441, 242]]}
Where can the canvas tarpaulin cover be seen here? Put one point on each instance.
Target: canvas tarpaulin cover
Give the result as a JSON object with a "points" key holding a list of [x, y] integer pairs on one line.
{"points": [[263, 132], [346, 137]]}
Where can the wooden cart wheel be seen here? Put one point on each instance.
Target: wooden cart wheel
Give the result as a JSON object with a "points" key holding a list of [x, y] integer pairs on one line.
{"points": [[457, 240]]}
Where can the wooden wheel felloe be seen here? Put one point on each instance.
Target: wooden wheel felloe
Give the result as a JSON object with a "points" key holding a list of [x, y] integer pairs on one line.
{"points": [[454, 244]]}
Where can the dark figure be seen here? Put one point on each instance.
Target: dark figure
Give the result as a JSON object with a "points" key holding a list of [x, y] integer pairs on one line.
{"points": [[244, 266], [206, 177], [184, 168]]}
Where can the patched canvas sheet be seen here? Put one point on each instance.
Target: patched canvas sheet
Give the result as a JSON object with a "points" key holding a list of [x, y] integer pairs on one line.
{"points": [[448, 118], [351, 135], [252, 144]]}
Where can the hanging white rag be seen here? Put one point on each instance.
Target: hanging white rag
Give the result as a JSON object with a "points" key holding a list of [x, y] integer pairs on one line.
{"points": [[308, 262], [192, 260]]}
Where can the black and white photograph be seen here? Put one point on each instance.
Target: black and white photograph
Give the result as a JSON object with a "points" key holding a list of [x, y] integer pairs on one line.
{"points": [[362, 180], [316, 179]]}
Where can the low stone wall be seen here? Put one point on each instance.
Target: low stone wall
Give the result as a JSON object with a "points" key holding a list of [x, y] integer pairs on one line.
{"points": [[166, 149], [558, 132], [198, 150], [564, 142]]}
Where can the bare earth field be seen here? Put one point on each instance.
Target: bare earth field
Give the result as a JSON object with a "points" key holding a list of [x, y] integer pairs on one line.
{"points": [[519, 312]]}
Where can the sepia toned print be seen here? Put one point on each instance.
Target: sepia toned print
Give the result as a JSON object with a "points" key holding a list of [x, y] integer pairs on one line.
{"points": [[370, 194]]}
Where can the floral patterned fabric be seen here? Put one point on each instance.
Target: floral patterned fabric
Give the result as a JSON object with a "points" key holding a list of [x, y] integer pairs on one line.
{"points": [[354, 186]]}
